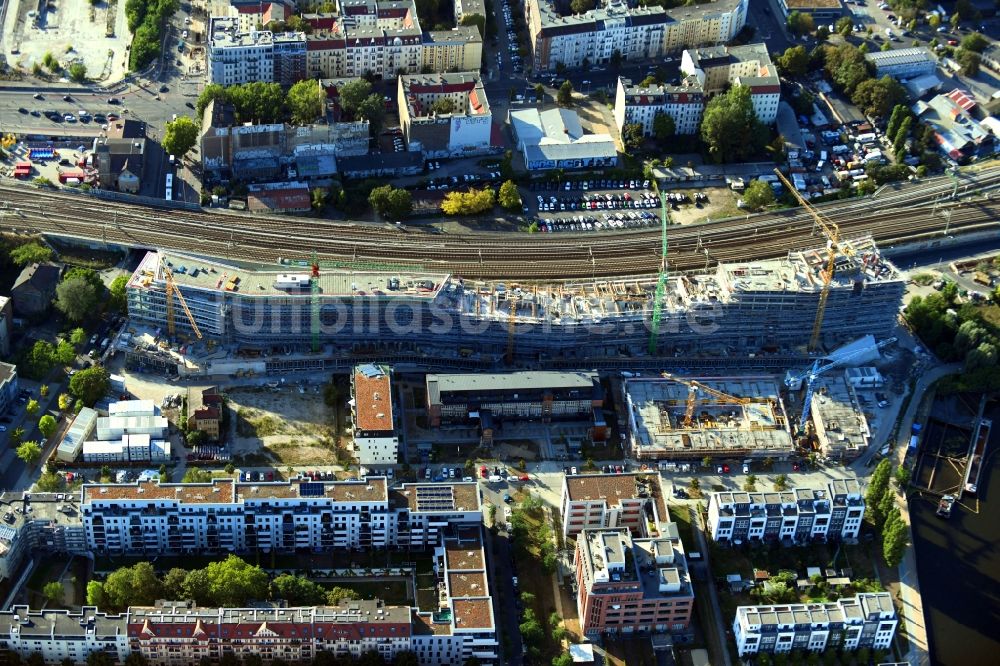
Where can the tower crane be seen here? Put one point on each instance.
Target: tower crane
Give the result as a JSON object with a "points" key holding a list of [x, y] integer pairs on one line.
{"points": [[810, 375], [694, 387], [172, 290], [832, 233]]}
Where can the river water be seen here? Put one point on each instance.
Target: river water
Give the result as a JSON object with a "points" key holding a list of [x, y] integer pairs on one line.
{"points": [[958, 562]]}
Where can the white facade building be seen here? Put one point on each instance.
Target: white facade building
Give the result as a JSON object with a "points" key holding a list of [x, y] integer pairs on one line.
{"points": [[718, 68], [866, 621], [903, 63], [64, 634], [798, 516], [130, 448], [464, 130], [684, 103], [236, 57]]}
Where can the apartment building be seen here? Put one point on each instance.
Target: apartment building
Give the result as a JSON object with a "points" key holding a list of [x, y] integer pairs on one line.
{"points": [[865, 621], [205, 410], [236, 57], [445, 115], [48, 521], [465, 398], [615, 29], [635, 104], [465, 8], [628, 585], [457, 50], [903, 63], [64, 634], [375, 438], [794, 516], [228, 516], [461, 627], [730, 308], [721, 67], [599, 501]]}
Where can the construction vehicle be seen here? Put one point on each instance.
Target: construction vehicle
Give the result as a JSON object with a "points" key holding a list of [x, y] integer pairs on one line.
{"points": [[793, 380], [694, 387], [832, 233], [172, 291]]}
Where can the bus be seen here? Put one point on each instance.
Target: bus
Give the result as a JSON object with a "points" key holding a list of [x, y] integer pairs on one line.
{"points": [[169, 194]]}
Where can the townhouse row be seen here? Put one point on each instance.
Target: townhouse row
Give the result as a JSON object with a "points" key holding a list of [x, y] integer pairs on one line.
{"points": [[617, 30], [356, 39]]}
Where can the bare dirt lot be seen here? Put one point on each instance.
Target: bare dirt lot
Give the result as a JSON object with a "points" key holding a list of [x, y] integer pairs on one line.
{"points": [[292, 428], [721, 204]]}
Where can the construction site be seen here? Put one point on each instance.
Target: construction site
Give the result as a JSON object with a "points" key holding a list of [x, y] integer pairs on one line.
{"points": [[737, 310], [673, 417]]}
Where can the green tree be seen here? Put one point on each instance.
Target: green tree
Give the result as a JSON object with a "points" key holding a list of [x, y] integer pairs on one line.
{"points": [[32, 407], [800, 24], [758, 195], [898, 113], [305, 101], [974, 42], [902, 476], [751, 483], [632, 137], [846, 66], [405, 658], [902, 134], [297, 590], [196, 587], [100, 658], [894, 538], [562, 660], [781, 482], [64, 402], [213, 92], [138, 659], [180, 136], [116, 298], [47, 425], [132, 586], [844, 26], [664, 127], [969, 60], [509, 196], [876, 97], [878, 484], [76, 298], [30, 253], [539, 90], [173, 583], [337, 594], [78, 72], [17, 436], [372, 109], [54, 592], [581, 6], [794, 61], [565, 95], [90, 385], [49, 482], [390, 202], [443, 105], [95, 594], [472, 202], [730, 127], [195, 475], [352, 94], [234, 582], [934, 21], [78, 336], [64, 353]]}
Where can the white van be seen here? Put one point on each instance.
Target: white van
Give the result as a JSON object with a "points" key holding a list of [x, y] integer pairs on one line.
{"points": [[820, 165]]}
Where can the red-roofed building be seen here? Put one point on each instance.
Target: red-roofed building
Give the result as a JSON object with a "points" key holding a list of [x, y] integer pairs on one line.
{"points": [[279, 198], [445, 115]]}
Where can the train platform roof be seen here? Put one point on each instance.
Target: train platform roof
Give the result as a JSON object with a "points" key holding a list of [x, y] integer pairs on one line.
{"points": [[344, 280]]}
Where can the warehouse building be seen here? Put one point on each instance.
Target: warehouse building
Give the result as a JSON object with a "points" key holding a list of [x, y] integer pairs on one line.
{"points": [[554, 139], [902, 63], [79, 432], [796, 516], [745, 418], [488, 399], [865, 621], [396, 316]]}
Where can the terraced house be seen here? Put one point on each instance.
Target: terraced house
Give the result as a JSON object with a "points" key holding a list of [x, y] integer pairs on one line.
{"points": [[795, 516], [616, 29]]}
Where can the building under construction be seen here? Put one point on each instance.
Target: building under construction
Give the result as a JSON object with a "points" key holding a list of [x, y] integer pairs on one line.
{"points": [[734, 310], [721, 417]]}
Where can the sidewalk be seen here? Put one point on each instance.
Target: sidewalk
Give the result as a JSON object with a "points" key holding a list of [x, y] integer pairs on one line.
{"points": [[715, 631], [911, 603]]}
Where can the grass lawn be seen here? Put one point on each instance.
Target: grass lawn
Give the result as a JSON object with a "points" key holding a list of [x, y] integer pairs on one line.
{"points": [[682, 516], [392, 592]]}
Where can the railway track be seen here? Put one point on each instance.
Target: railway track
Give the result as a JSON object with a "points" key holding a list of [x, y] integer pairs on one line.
{"points": [[896, 215]]}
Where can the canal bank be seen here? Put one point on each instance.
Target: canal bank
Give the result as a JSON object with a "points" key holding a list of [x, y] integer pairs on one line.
{"points": [[958, 565]]}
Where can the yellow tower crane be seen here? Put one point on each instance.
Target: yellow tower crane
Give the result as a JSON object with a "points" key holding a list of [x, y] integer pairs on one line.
{"points": [[694, 387], [173, 290], [832, 233]]}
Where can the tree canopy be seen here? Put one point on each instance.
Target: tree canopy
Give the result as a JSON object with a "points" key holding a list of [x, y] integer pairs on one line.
{"points": [[233, 581], [390, 202], [509, 196], [180, 136], [758, 195], [565, 95], [90, 384], [472, 202], [117, 297], [794, 61], [29, 452], [352, 94], [30, 253], [76, 298], [305, 101], [730, 127]]}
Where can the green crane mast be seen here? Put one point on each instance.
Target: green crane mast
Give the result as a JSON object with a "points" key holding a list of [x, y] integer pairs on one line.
{"points": [[314, 304], [661, 283]]}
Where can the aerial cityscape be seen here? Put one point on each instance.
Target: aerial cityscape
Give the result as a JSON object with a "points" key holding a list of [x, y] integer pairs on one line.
{"points": [[499, 332]]}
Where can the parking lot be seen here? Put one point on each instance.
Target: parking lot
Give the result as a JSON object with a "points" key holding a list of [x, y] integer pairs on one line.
{"points": [[592, 204]]}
